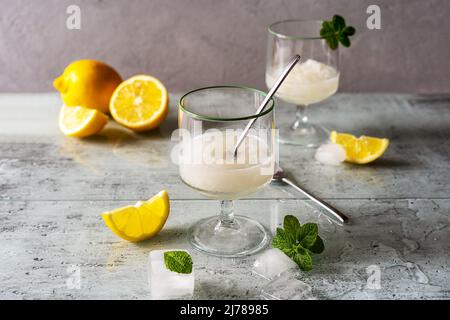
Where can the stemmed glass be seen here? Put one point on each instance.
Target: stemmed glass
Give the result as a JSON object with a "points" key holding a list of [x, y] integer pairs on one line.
{"points": [[312, 81], [211, 120]]}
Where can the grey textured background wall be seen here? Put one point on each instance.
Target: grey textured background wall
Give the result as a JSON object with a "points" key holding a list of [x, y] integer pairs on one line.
{"points": [[202, 42]]}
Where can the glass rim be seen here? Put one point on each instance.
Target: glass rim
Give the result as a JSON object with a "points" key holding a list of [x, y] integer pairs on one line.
{"points": [[218, 119], [285, 36]]}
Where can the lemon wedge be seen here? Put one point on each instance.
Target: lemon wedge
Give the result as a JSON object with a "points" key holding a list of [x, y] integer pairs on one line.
{"points": [[140, 103], [81, 122], [141, 221], [360, 150]]}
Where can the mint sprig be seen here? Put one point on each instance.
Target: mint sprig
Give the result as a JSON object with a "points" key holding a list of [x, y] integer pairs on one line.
{"points": [[298, 242], [178, 261], [336, 31]]}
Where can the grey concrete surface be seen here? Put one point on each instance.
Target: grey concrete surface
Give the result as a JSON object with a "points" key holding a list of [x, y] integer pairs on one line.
{"points": [[201, 42], [30, 139], [53, 190]]}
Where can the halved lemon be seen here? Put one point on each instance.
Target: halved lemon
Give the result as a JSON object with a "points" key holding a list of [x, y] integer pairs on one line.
{"points": [[140, 103], [81, 122], [141, 221], [360, 150]]}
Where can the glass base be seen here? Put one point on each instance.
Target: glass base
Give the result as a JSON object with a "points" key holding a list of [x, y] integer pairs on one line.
{"points": [[306, 135], [241, 238]]}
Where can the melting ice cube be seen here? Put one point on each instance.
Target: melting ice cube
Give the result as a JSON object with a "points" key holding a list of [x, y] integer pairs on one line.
{"points": [[273, 262], [331, 154], [287, 287], [166, 284]]}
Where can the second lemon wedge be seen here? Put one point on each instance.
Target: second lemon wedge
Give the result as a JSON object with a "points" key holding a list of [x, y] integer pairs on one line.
{"points": [[140, 103], [141, 221], [81, 122], [360, 150]]}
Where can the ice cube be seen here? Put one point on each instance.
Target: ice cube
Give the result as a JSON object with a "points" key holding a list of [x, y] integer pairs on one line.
{"points": [[331, 154], [272, 263], [287, 286], [166, 284]]}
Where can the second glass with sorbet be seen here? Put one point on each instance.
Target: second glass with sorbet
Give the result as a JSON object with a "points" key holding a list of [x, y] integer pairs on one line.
{"points": [[309, 82], [313, 80]]}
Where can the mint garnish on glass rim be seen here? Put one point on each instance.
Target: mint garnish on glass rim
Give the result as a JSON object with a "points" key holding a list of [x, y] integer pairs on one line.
{"points": [[178, 261], [336, 31], [298, 241]]}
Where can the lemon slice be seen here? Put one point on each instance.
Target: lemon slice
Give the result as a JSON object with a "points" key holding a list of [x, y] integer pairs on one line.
{"points": [[141, 221], [81, 122], [360, 150], [140, 103]]}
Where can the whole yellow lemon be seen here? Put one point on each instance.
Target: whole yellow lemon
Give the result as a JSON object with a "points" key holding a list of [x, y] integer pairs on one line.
{"points": [[88, 83]]}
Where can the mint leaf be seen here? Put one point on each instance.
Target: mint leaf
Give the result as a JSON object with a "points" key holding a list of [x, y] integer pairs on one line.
{"points": [[283, 241], [336, 31], [178, 261], [349, 31], [338, 22], [333, 43], [318, 246], [308, 235], [327, 29], [303, 259], [297, 241], [291, 225], [344, 40]]}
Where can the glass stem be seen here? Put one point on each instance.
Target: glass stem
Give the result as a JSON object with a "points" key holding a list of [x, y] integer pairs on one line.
{"points": [[301, 117], [226, 219]]}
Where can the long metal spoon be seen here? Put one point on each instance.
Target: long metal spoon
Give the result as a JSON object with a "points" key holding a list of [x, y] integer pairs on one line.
{"points": [[266, 100], [282, 176]]}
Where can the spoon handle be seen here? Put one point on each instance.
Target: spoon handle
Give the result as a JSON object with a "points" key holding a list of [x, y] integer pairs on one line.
{"points": [[336, 213]]}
